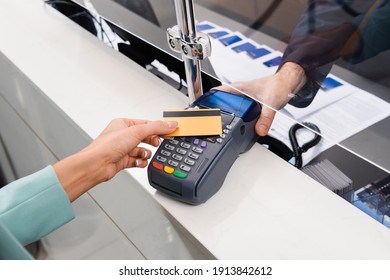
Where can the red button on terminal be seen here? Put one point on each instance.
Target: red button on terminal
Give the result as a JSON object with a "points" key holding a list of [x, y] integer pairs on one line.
{"points": [[157, 165]]}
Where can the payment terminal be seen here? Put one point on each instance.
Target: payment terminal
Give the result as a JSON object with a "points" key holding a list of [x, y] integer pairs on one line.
{"points": [[192, 169]]}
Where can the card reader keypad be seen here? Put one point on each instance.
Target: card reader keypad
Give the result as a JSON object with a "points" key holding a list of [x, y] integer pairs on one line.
{"points": [[179, 156]]}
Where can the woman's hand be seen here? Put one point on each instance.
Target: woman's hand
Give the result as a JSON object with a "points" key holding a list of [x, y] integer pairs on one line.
{"points": [[114, 149]]}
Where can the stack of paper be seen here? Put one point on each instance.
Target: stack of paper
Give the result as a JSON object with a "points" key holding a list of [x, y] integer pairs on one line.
{"points": [[331, 177]]}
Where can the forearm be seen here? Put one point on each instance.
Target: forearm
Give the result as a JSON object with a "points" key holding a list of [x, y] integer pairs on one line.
{"points": [[293, 75], [315, 53], [308, 81], [35, 205], [78, 173]]}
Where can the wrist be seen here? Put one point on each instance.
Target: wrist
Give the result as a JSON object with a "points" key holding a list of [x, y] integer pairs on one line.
{"points": [[77, 174], [292, 75]]}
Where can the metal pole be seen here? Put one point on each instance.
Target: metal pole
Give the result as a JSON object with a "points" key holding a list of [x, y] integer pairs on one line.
{"points": [[186, 23]]}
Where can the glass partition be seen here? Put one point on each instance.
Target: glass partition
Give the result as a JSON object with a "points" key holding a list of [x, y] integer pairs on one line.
{"points": [[321, 65]]}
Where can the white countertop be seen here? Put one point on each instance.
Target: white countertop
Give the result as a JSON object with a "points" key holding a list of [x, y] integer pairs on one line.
{"points": [[266, 208]]}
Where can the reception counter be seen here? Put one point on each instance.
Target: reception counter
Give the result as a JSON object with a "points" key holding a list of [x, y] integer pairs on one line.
{"points": [[60, 86]]}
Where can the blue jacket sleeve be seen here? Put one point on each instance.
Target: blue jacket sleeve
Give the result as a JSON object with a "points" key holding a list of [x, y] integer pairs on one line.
{"points": [[34, 206], [374, 32]]}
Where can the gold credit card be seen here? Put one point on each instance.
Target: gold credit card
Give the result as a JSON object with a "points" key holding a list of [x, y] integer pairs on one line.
{"points": [[195, 122]]}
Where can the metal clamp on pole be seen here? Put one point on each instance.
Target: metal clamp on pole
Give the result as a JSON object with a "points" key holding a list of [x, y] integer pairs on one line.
{"points": [[194, 46]]}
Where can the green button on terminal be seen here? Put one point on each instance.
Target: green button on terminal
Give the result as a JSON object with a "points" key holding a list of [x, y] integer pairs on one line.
{"points": [[180, 174]]}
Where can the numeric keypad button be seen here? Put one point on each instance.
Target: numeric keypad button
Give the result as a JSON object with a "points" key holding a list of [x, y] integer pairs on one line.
{"points": [[193, 155], [181, 151], [185, 168], [185, 145], [165, 153], [169, 147], [174, 141], [173, 163], [189, 161], [177, 157], [162, 159], [197, 150]]}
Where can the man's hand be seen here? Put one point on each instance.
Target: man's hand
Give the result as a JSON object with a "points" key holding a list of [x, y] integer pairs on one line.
{"points": [[273, 92]]}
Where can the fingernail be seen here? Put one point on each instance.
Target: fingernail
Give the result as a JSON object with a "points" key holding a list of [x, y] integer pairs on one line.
{"points": [[145, 154], [137, 162], [172, 124], [262, 129]]}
